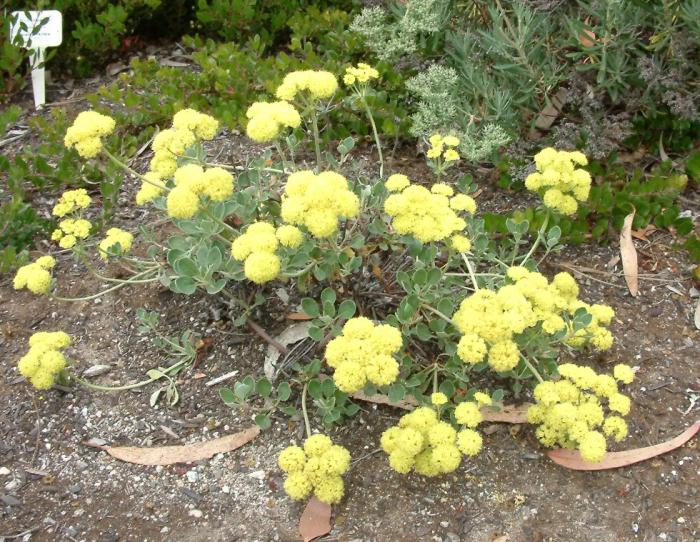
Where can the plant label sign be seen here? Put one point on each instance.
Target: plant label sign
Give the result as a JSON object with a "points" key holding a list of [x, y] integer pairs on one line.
{"points": [[37, 30]]}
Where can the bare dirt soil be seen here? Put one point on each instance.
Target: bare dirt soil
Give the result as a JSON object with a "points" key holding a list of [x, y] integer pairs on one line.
{"points": [[54, 487]]}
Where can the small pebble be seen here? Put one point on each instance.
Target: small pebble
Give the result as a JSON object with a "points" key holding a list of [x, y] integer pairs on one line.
{"points": [[258, 474], [196, 513]]}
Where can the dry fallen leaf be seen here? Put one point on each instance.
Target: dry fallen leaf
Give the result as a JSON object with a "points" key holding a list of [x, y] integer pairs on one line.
{"points": [[298, 316], [506, 414], [408, 403], [629, 256], [167, 455], [293, 334], [642, 233], [315, 521], [551, 111], [587, 38], [571, 459]]}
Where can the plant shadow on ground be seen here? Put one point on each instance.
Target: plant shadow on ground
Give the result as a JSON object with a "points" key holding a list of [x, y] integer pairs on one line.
{"points": [[58, 488]]}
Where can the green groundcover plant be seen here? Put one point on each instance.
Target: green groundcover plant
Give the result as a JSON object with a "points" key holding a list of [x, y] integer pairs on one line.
{"points": [[408, 294], [224, 79]]}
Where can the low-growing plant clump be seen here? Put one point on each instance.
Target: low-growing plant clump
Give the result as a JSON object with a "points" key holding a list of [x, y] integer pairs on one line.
{"points": [[408, 293]]}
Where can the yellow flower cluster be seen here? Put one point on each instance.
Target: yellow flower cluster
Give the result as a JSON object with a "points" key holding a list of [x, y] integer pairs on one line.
{"points": [[35, 276], [560, 297], [70, 230], [360, 74], [362, 353], [318, 201], [257, 247], [428, 215], [558, 179], [71, 201], [443, 146], [115, 237], [268, 119], [317, 468], [151, 188], [569, 412], [86, 132], [424, 443], [201, 125], [44, 360], [490, 320], [319, 85], [189, 126], [193, 182]]}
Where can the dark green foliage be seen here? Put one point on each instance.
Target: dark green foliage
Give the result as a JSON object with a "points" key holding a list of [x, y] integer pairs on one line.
{"points": [[230, 76], [240, 20], [98, 31]]}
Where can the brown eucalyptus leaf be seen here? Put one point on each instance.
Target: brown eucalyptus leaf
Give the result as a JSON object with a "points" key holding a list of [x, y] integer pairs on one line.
{"points": [[629, 256], [505, 414], [408, 403], [167, 455], [298, 316], [571, 459], [315, 521]]}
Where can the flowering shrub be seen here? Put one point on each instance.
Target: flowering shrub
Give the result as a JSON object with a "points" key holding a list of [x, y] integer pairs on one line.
{"points": [[454, 302]]}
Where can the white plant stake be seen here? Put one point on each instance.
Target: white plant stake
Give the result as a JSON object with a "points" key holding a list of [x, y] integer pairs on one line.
{"points": [[37, 30]]}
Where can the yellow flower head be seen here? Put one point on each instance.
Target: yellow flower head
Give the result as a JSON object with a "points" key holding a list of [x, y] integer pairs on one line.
{"points": [[396, 182], [201, 125], [150, 189], [425, 215], [71, 201], [262, 267], [86, 132], [450, 155], [469, 414], [44, 360], [438, 398], [182, 203], [35, 276], [469, 442], [318, 202], [623, 373], [218, 184], [316, 468], [560, 182], [167, 146], [363, 352], [257, 247], [115, 238], [362, 74], [289, 236], [267, 120], [318, 84]]}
